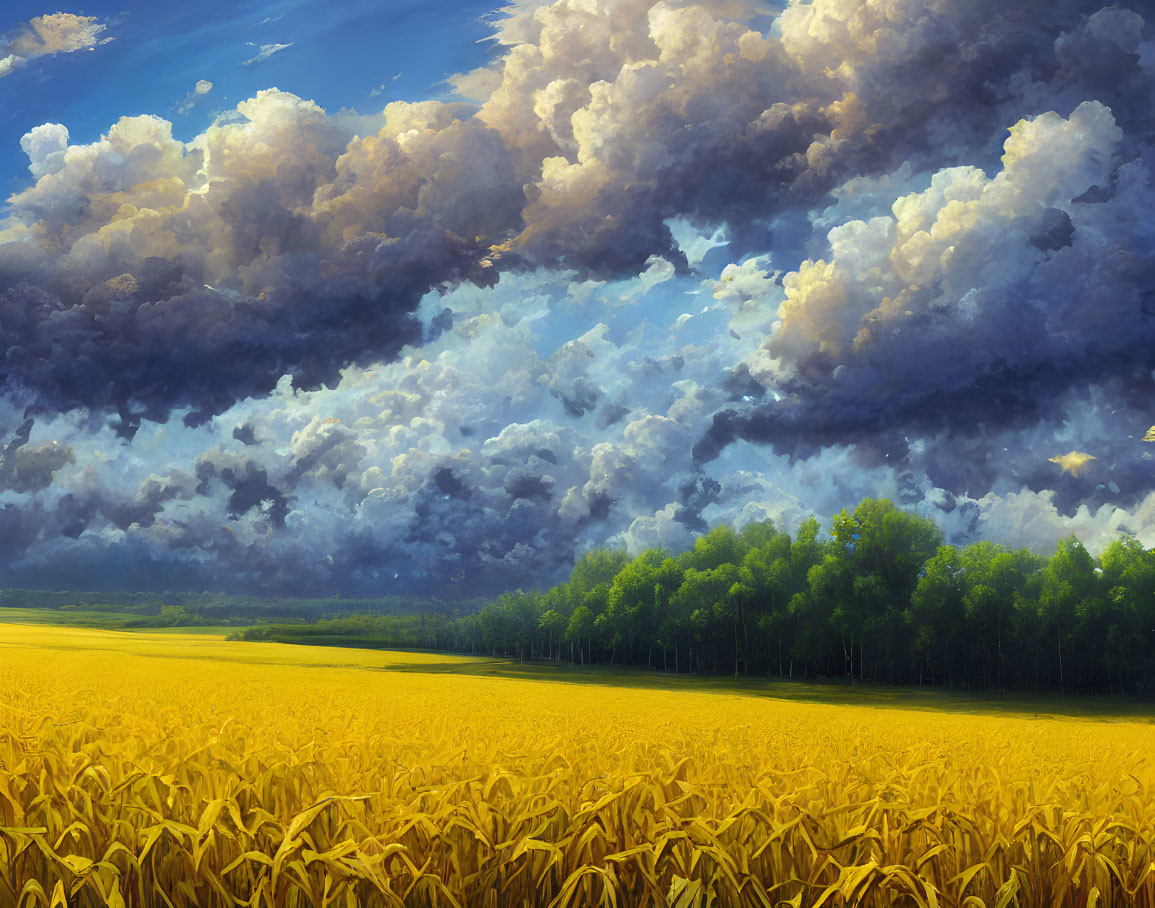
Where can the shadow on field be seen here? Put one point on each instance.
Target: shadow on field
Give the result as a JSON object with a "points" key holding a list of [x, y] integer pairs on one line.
{"points": [[831, 692], [361, 655]]}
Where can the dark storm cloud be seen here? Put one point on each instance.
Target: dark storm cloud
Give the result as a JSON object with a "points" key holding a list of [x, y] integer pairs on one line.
{"points": [[974, 308], [158, 274], [247, 483], [28, 468], [500, 338]]}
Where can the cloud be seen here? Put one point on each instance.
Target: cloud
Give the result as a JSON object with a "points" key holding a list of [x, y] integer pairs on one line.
{"points": [[45, 146], [978, 300], [672, 264], [456, 467], [459, 467], [266, 51], [202, 88], [383, 87], [584, 154], [1033, 520], [10, 64], [44, 36]]}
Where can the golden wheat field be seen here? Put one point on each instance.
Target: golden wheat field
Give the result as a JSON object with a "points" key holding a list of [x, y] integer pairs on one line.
{"points": [[165, 769]]}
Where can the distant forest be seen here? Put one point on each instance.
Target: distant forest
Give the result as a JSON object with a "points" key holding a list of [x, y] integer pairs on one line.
{"points": [[188, 609], [880, 599]]}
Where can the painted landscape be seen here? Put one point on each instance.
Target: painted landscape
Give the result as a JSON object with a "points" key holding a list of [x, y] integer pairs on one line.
{"points": [[689, 453]]}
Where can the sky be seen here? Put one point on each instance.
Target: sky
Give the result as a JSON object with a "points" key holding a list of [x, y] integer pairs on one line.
{"points": [[149, 57], [430, 298]]}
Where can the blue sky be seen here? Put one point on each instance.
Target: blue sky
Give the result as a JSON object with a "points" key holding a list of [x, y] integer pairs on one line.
{"points": [[340, 53]]}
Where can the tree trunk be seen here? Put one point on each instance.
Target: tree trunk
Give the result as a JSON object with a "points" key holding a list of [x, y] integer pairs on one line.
{"points": [[745, 641], [1002, 683]]}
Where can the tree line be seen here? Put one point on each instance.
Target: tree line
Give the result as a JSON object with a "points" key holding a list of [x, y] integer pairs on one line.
{"points": [[879, 598], [191, 609]]}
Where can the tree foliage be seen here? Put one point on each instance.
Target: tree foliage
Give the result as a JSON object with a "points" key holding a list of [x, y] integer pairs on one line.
{"points": [[879, 598]]}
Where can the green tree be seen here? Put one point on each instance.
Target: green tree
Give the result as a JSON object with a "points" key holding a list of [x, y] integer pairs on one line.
{"points": [[580, 625], [553, 625], [1068, 579], [718, 547]]}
